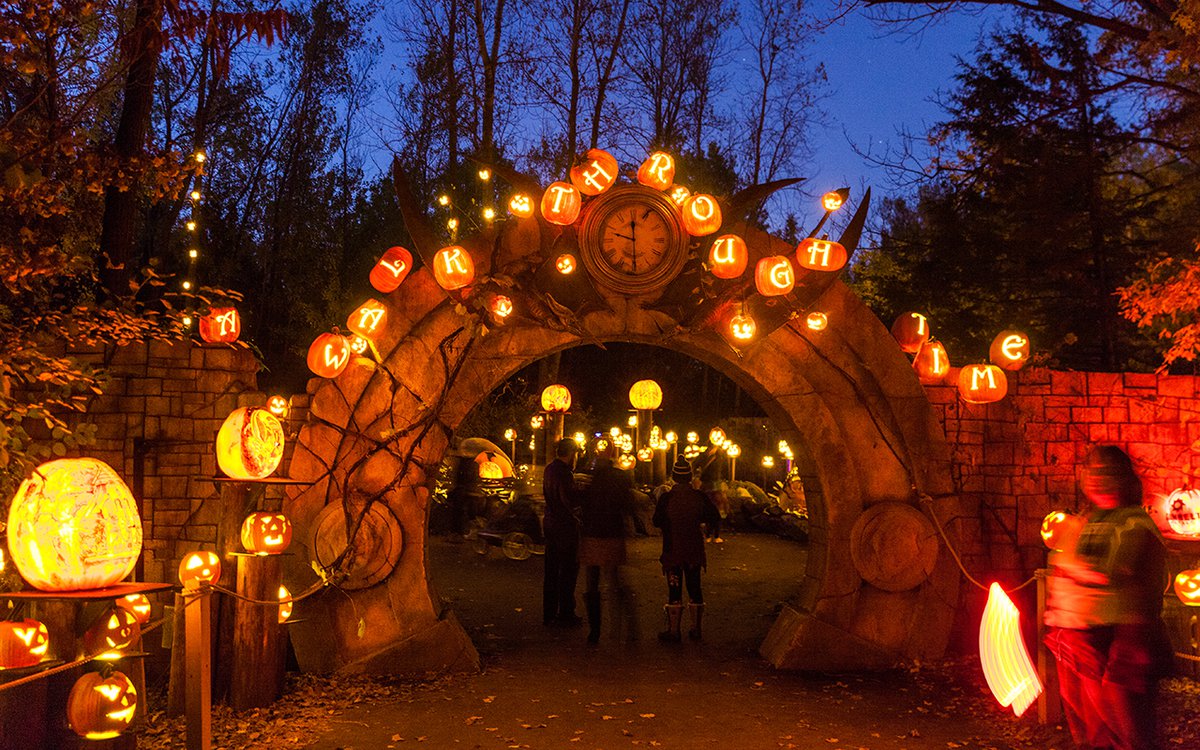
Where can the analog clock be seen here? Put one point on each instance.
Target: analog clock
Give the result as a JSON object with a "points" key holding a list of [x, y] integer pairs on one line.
{"points": [[632, 240]]}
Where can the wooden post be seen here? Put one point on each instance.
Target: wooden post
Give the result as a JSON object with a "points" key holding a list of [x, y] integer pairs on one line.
{"points": [[198, 618], [1049, 704], [237, 500], [255, 668]]}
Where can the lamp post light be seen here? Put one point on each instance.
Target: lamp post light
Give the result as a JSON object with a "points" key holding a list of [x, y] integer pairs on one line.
{"points": [[645, 396], [511, 436], [733, 450], [673, 441], [556, 401], [768, 463]]}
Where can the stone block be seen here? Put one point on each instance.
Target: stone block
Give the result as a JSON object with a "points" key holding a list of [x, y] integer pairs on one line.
{"points": [[1134, 433], [1180, 386], [1104, 383], [1068, 383], [1140, 380], [1086, 414], [1116, 415]]}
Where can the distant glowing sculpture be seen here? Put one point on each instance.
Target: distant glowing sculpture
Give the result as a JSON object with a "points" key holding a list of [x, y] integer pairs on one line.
{"points": [[556, 398], [1006, 664]]}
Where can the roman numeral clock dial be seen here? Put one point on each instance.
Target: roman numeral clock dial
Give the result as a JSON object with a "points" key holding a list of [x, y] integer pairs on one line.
{"points": [[632, 240]]}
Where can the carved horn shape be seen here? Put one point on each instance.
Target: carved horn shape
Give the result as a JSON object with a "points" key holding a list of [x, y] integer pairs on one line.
{"points": [[748, 199], [420, 231]]}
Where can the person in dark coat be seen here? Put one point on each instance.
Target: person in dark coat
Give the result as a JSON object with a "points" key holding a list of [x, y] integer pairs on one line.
{"points": [[680, 514], [561, 527], [607, 506]]}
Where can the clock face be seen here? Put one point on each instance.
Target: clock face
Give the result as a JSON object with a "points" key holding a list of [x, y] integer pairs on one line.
{"points": [[632, 240]]}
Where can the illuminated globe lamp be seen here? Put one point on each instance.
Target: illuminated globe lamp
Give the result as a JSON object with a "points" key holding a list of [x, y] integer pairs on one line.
{"points": [[74, 525], [645, 395], [23, 643], [196, 568], [286, 604], [537, 421], [250, 443], [266, 533], [556, 398], [1183, 512], [138, 604]]}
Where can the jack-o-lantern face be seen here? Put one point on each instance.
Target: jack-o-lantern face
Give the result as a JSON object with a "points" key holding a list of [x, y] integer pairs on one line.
{"points": [[817, 321], [328, 355], [250, 443], [774, 276], [910, 331], [22, 644], [502, 306], [727, 256], [701, 215], [285, 604], [116, 631], [832, 200], [391, 270], [100, 708], [658, 171], [453, 268], [199, 567], [369, 319], [556, 398], [1060, 529], [982, 384], [596, 173], [679, 195], [266, 533], [742, 327], [1009, 350], [1187, 587], [626, 462], [138, 604], [821, 255], [645, 454], [221, 325], [278, 405], [565, 264], [561, 203], [521, 206], [931, 363]]}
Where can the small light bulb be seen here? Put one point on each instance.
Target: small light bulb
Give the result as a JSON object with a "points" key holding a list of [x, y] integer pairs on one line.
{"points": [[187, 320], [485, 174], [195, 195], [489, 213], [193, 253], [443, 200], [191, 226], [200, 157]]}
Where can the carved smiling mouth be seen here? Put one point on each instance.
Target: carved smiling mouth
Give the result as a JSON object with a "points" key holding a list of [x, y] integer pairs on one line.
{"points": [[273, 541]]}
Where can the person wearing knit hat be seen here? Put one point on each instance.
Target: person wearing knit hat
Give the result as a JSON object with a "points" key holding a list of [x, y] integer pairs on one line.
{"points": [[680, 514]]}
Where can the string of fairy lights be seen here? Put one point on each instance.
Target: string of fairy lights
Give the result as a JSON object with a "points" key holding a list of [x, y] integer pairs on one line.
{"points": [[192, 227], [487, 212]]}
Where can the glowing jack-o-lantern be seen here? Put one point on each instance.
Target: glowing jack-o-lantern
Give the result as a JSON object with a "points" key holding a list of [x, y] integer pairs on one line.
{"points": [[22, 644], [565, 264], [250, 443], [774, 276], [821, 255], [520, 205], [716, 436], [222, 325], [266, 533], [502, 306], [982, 384], [727, 256], [742, 327], [100, 708], [658, 171], [199, 567], [556, 398], [285, 604], [1187, 587], [645, 454], [931, 363], [701, 215], [491, 470], [626, 462], [1009, 350], [358, 345], [116, 631], [910, 331], [1060, 529], [74, 525], [645, 395], [453, 267], [1183, 512], [679, 194], [391, 270], [369, 319], [596, 173], [138, 604], [817, 321], [561, 203], [279, 406], [832, 200], [328, 355]]}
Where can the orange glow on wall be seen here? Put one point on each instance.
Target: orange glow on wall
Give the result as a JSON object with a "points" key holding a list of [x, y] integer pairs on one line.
{"points": [[369, 319], [22, 643], [138, 604], [222, 325], [74, 525], [328, 355], [727, 256], [982, 384], [250, 443], [100, 708], [1006, 664], [1009, 350], [520, 205], [199, 567], [911, 330], [596, 173], [266, 533], [1187, 587], [561, 203], [453, 267], [821, 255], [391, 270], [556, 398], [774, 276], [931, 363], [658, 171], [701, 215], [645, 395], [1060, 529]]}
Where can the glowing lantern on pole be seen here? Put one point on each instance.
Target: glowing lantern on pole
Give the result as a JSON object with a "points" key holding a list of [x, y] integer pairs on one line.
{"points": [[368, 319], [1183, 512], [22, 644], [74, 525], [502, 306], [701, 215], [1009, 350], [453, 267], [1187, 587], [626, 462], [391, 270], [266, 533], [278, 405], [910, 331], [931, 363], [285, 604], [138, 604], [328, 355], [742, 327], [982, 384], [537, 421], [521, 205], [658, 171], [645, 454], [832, 200], [645, 395], [1060, 529], [727, 256], [556, 398], [716, 436], [679, 194], [222, 325], [821, 255], [774, 276], [1006, 664], [111, 634], [250, 443], [561, 203], [100, 708], [565, 264], [596, 173], [817, 321], [692, 437], [199, 567]]}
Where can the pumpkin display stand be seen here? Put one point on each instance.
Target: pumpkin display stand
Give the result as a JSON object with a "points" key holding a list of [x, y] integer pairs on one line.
{"points": [[34, 715]]}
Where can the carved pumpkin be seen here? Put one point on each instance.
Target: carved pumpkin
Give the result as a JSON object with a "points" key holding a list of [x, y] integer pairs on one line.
{"points": [[679, 195], [817, 321], [645, 454], [556, 398], [821, 255], [1187, 587], [565, 264], [931, 363], [328, 355], [138, 604], [910, 331], [74, 525], [520, 205], [645, 395], [626, 462], [222, 325], [369, 319], [658, 171], [116, 631], [279, 406], [832, 200], [716, 436], [1183, 512], [774, 276], [596, 173], [502, 306], [1060, 529], [358, 345], [100, 708], [491, 470], [727, 256], [1009, 350], [250, 443], [22, 644], [453, 267], [285, 604], [391, 270], [561, 203], [701, 215], [742, 327], [266, 533], [982, 384], [199, 567]]}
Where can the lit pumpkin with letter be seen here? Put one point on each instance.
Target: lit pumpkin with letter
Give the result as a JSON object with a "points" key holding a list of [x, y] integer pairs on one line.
{"points": [[100, 708], [23, 643], [250, 443], [658, 171], [1060, 529], [138, 604], [774, 276], [982, 384], [369, 319], [328, 355], [561, 203], [453, 267], [1187, 587], [596, 173], [199, 567], [1009, 350], [116, 631], [727, 256], [701, 215], [556, 398], [74, 525], [266, 533], [222, 325], [911, 330], [931, 363], [821, 255], [391, 270]]}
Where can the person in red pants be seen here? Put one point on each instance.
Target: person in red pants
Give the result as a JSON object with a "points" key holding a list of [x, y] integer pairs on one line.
{"points": [[1104, 611]]}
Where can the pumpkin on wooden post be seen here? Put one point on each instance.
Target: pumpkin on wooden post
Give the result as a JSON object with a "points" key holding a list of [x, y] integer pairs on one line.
{"points": [[99, 707], [138, 604], [23, 643], [266, 533], [391, 269], [199, 567], [116, 631]]}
